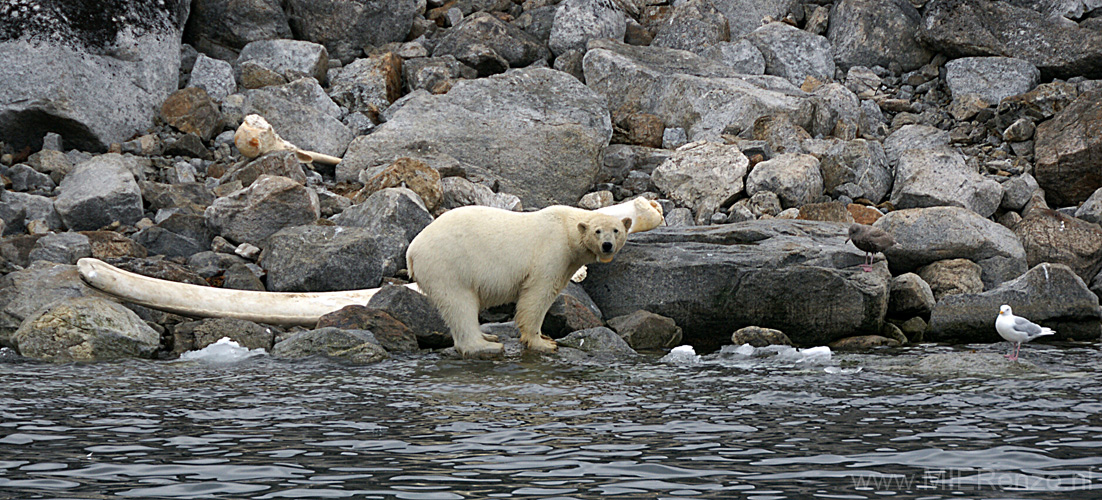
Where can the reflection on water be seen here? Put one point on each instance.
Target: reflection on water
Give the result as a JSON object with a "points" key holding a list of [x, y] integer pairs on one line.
{"points": [[735, 425]]}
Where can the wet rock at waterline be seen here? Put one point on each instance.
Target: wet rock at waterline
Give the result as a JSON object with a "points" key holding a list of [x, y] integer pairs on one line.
{"points": [[1049, 294], [85, 329], [354, 346], [800, 277]]}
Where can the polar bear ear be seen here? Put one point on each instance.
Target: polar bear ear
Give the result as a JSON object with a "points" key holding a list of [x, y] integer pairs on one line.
{"points": [[583, 227], [627, 223]]}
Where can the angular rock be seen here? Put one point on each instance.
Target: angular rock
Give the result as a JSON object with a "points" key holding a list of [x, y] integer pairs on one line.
{"points": [[179, 235], [241, 276], [876, 33], [403, 173], [415, 311], [926, 235], [368, 85], [837, 113], [599, 340], [741, 56], [459, 192], [988, 28], [160, 269], [34, 288], [275, 163], [571, 311], [191, 111], [952, 277], [646, 330], [863, 342], [345, 27], [1049, 294], [791, 275], [110, 245], [860, 163], [991, 78], [515, 46], [98, 192], [85, 329], [702, 96], [553, 154], [928, 178], [296, 114], [268, 205], [63, 248], [703, 175], [1017, 191], [295, 57], [831, 211], [223, 27], [392, 211], [25, 178], [390, 333], [1068, 148], [914, 137], [578, 21], [354, 346], [796, 179], [214, 76], [93, 83], [745, 16], [21, 208], [1050, 236], [190, 196], [1039, 104], [694, 25], [1091, 210], [910, 296], [792, 53], [325, 258], [435, 74], [780, 135]]}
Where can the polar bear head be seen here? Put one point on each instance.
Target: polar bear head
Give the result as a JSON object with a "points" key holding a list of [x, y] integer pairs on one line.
{"points": [[604, 235]]}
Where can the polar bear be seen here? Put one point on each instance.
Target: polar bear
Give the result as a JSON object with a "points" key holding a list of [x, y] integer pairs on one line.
{"points": [[476, 257]]}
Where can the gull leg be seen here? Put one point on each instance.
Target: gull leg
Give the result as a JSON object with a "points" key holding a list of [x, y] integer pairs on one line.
{"points": [[867, 266]]}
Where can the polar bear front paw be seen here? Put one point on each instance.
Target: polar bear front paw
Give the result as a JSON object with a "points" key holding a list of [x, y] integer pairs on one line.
{"points": [[543, 343]]}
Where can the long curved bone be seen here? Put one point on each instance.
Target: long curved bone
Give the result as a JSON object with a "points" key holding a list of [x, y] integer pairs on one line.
{"points": [[256, 136], [277, 308]]}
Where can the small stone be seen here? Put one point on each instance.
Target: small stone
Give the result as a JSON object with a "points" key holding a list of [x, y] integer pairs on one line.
{"points": [[596, 199], [247, 251]]}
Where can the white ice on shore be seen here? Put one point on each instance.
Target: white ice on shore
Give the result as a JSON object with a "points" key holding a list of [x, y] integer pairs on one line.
{"points": [[681, 355], [820, 355], [222, 352]]}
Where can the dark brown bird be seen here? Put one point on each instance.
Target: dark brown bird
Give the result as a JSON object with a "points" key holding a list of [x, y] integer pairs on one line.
{"points": [[871, 240]]}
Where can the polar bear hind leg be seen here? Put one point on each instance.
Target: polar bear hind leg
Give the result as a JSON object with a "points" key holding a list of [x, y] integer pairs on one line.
{"points": [[460, 312]]}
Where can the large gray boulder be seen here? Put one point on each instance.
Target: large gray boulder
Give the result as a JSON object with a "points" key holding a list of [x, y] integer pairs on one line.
{"points": [[703, 176], [1067, 149], [397, 211], [93, 73], [86, 329], [792, 53], [876, 33], [482, 32], [991, 78], [705, 97], [741, 56], [287, 57], [579, 21], [930, 178], [345, 27], [793, 275], [1050, 236], [258, 211], [694, 25], [214, 76], [926, 235], [369, 84], [962, 28], [538, 132], [326, 258], [224, 27], [98, 192], [794, 178], [745, 16], [857, 168], [1048, 294], [914, 137], [39, 285]]}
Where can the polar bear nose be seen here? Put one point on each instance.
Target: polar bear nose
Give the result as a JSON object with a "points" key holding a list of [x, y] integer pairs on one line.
{"points": [[606, 247]]}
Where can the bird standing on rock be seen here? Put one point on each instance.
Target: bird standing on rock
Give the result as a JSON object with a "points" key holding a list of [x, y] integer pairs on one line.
{"points": [[871, 240], [1017, 330]]}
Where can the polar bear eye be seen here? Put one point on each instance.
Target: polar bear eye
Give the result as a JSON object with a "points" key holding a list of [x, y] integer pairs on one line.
{"points": [[598, 231]]}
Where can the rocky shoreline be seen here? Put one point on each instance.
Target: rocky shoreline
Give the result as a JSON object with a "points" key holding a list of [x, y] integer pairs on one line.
{"points": [[763, 127]]}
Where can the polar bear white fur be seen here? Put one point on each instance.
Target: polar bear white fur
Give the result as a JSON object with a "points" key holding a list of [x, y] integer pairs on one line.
{"points": [[471, 258]]}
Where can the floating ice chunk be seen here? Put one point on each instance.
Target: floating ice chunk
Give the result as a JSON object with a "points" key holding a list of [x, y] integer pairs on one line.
{"points": [[681, 355], [842, 371], [744, 350], [223, 351], [7, 354], [810, 356]]}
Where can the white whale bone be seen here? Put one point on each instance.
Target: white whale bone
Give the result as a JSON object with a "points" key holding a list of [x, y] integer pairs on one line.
{"points": [[256, 136], [276, 308]]}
